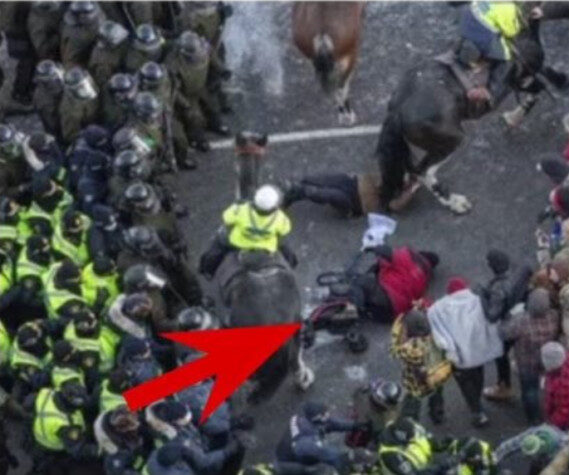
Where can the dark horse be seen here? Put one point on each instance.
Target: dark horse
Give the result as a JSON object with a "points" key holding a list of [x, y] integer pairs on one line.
{"points": [[328, 33], [423, 126], [260, 288]]}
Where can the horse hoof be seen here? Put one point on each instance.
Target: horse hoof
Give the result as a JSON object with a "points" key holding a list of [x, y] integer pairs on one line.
{"points": [[305, 379], [459, 204], [514, 117], [347, 119]]}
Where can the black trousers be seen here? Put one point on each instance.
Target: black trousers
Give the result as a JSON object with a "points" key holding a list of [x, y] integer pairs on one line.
{"points": [[337, 190], [370, 298], [503, 366], [471, 382], [411, 406]]}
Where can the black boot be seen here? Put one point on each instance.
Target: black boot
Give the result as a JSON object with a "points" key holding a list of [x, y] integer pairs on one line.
{"points": [[293, 192]]}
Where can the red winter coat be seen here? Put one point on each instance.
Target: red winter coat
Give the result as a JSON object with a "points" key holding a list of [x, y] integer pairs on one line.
{"points": [[403, 279], [557, 397]]}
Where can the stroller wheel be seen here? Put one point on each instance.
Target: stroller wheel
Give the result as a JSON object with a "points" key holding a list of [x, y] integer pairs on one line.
{"points": [[357, 342]]}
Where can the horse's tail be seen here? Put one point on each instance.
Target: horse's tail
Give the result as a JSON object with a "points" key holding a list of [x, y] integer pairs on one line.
{"points": [[324, 60], [393, 154]]}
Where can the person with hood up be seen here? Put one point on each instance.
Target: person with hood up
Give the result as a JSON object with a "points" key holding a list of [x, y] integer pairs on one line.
{"points": [[120, 439], [538, 325], [129, 315]]}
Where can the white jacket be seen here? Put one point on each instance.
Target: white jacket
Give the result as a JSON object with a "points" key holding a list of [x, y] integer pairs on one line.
{"points": [[461, 330]]}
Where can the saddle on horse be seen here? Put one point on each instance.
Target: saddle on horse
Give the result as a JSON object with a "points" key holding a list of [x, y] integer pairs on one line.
{"points": [[472, 78], [255, 262]]}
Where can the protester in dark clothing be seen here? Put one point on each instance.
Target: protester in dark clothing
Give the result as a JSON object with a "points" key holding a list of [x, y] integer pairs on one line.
{"points": [[498, 296], [529, 332]]}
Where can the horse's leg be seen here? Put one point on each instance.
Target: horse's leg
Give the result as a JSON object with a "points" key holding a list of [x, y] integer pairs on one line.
{"points": [[515, 117], [346, 115], [303, 375], [457, 203]]}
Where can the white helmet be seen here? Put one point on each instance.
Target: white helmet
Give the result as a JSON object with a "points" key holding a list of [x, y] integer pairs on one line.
{"points": [[267, 198]]}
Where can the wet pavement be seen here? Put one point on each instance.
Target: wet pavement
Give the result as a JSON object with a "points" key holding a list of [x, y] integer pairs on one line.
{"points": [[274, 90]]}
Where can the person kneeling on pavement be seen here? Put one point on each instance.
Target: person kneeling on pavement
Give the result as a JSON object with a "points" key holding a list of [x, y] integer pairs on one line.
{"points": [[303, 446], [251, 226]]}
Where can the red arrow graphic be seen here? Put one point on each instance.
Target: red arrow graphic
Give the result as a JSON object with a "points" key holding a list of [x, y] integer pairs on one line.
{"points": [[232, 356]]}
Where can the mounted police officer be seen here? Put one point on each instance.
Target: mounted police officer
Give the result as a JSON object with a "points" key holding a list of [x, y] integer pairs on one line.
{"points": [[251, 226], [491, 27]]}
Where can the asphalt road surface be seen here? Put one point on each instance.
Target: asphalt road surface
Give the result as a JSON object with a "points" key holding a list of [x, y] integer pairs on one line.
{"points": [[274, 91]]}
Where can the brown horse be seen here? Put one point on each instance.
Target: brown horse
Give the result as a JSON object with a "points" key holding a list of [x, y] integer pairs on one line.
{"points": [[328, 33]]}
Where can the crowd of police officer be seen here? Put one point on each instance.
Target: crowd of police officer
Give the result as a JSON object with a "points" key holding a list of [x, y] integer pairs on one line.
{"points": [[93, 264]]}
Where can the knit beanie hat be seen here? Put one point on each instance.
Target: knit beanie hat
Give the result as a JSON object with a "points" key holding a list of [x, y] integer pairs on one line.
{"points": [[553, 356], [538, 302], [561, 268], [498, 261], [455, 284], [417, 324], [559, 199]]}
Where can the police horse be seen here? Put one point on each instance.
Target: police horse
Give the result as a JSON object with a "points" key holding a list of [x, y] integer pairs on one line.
{"points": [[423, 126], [261, 289], [328, 33]]}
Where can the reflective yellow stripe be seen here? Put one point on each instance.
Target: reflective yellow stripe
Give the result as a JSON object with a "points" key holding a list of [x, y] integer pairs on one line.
{"points": [[61, 374], [4, 344], [78, 254], [109, 400], [19, 357], [81, 343], [49, 420], [26, 268], [9, 232], [55, 298]]}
